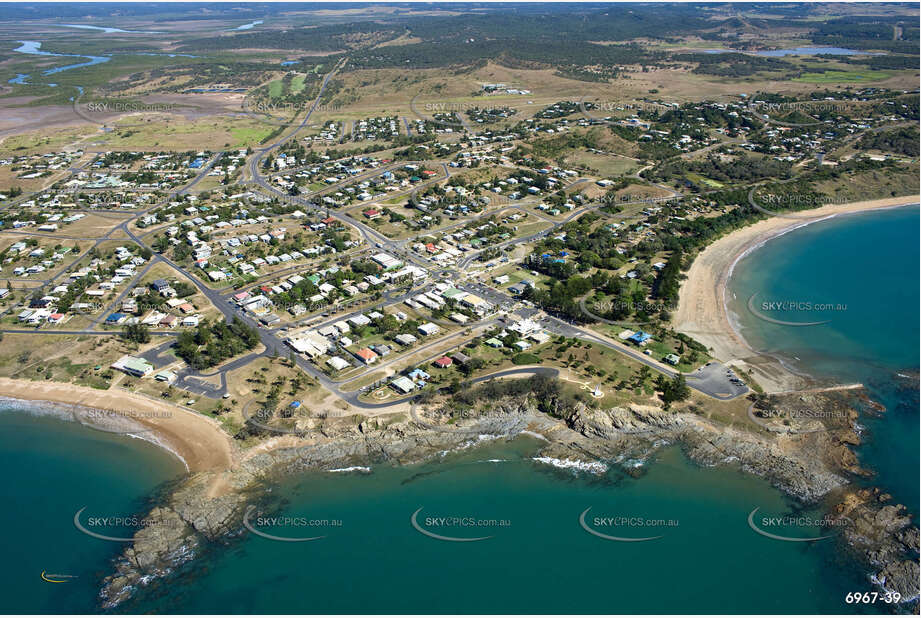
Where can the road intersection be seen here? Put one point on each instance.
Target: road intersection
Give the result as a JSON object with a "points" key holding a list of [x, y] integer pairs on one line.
{"points": [[709, 381]]}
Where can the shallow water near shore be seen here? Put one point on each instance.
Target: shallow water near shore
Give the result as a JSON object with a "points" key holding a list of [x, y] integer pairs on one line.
{"points": [[541, 561], [539, 558], [53, 468], [864, 265]]}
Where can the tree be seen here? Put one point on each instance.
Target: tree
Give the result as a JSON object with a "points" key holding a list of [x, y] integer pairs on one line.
{"points": [[139, 333], [472, 365], [673, 390], [643, 374]]}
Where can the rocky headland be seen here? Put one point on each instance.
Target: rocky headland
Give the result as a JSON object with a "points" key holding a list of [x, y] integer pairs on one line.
{"points": [[206, 509]]}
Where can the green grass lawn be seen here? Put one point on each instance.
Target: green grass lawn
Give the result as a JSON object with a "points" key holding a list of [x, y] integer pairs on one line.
{"points": [[297, 83], [698, 179], [248, 135]]}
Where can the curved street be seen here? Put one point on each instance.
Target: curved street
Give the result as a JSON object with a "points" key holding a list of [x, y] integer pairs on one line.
{"points": [[709, 381]]}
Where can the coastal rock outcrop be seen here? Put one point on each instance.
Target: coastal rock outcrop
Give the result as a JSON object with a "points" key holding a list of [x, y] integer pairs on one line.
{"points": [[886, 539], [209, 507], [173, 535], [787, 462]]}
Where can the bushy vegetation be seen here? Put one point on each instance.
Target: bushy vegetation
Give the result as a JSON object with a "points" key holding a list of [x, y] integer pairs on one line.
{"points": [[737, 169], [138, 333], [869, 32], [213, 342], [902, 141], [732, 65], [672, 390], [546, 392]]}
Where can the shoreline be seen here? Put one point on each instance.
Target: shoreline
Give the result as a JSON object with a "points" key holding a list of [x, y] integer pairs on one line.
{"points": [[197, 441], [65, 412], [702, 299]]}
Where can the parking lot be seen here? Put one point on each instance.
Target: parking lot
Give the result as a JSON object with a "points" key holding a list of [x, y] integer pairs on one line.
{"points": [[718, 379]]}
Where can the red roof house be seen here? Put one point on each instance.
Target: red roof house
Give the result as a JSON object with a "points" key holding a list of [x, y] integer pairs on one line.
{"points": [[367, 355]]}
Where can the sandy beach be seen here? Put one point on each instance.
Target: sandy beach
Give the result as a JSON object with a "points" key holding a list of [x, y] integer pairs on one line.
{"points": [[702, 312], [198, 441]]}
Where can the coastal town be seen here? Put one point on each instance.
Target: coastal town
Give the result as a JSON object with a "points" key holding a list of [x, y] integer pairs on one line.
{"points": [[382, 278], [343, 245]]}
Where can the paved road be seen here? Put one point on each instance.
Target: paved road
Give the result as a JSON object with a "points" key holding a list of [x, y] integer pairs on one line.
{"points": [[711, 380], [103, 333]]}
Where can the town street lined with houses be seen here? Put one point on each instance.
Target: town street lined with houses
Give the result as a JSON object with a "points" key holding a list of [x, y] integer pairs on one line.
{"points": [[428, 277]]}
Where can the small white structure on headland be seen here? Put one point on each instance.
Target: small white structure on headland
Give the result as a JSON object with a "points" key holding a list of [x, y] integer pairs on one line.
{"points": [[597, 394]]}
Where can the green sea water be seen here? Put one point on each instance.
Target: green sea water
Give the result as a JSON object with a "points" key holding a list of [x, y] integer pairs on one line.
{"points": [[53, 468], [542, 561], [538, 559]]}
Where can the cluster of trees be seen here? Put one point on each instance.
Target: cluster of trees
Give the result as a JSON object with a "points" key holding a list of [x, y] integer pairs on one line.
{"points": [[713, 116], [737, 169], [669, 279], [596, 247], [185, 73], [213, 342], [334, 37], [144, 177], [554, 148], [887, 62], [596, 250], [588, 75], [691, 234], [561, 297], [184, 289], [138, 333], [856, 164], [672, 390], [869, 32], [580, 23], [547, 392], [732, 64], [902, 141], [521, 52], [389, 327], [111, 158]]}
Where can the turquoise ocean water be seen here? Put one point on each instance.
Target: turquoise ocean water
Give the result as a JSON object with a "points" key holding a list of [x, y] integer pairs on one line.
{"points": [[53, 468], [539, 558], [865, 266]]}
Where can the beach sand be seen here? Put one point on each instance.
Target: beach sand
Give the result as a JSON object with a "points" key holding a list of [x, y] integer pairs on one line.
{"points": [[702, 312], [199, 441]]}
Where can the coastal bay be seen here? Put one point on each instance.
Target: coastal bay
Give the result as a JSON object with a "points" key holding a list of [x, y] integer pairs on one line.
{"points": [[302, 461], [868, 303], [197, 441], [59, 467], [702, 312]]}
